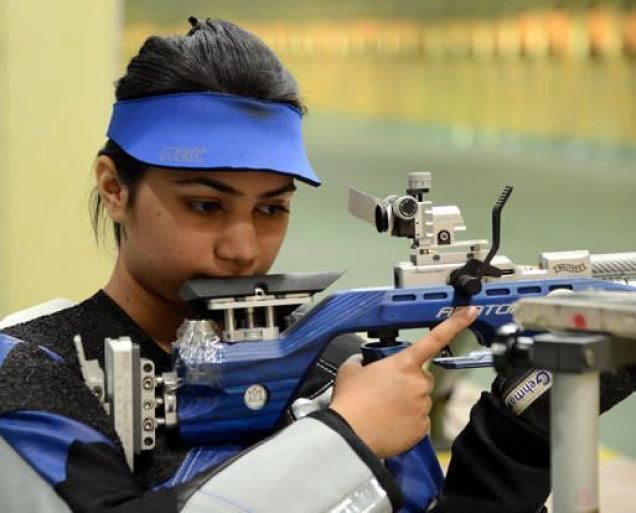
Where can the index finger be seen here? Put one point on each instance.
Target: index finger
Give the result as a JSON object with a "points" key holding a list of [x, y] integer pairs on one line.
{"points": [[440, 336]]}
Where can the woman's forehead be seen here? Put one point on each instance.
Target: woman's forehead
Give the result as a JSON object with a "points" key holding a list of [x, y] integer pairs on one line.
{"points": [[234, 181]]}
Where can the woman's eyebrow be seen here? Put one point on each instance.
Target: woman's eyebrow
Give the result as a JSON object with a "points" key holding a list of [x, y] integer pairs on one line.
{"points": [[290, 187], [227, 189], [209, 182]]}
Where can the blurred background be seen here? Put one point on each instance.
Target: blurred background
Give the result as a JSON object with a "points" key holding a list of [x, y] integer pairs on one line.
{"points": [[537, 94]]}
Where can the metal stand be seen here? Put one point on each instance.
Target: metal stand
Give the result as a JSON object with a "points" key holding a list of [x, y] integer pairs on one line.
{"points": [[576, 360], [574, 442]]}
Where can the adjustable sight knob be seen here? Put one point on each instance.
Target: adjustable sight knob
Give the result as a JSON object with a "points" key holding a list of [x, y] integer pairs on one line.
{"points": [[405, 208]]}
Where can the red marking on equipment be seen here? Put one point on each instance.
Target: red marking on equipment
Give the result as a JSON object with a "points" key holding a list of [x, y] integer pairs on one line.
{"points": [[579, 321]]}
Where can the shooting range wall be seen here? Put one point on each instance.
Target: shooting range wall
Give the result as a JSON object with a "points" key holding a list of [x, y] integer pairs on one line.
{"points": [[58, 61]]}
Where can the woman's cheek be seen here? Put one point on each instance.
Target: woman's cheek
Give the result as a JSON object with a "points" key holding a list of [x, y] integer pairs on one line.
{"points": [[269, 253]]}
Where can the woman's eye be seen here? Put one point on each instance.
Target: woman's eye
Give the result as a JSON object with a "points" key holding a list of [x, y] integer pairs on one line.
{"points": [[205, 207], [273, 210]]}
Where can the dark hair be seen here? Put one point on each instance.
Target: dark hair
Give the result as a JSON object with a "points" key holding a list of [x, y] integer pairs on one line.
{"points": [[215, 56]]}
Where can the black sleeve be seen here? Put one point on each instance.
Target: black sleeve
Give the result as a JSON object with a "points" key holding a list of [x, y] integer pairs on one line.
{"points": [[498, 465]]}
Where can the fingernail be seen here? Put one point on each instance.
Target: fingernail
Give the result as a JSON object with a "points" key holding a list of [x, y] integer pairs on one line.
{"points": [[469, 312]]}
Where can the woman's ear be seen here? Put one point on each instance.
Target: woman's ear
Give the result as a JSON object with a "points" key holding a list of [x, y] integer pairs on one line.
{"points": [[113, 193]]}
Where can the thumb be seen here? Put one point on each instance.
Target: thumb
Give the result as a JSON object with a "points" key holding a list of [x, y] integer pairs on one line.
{"points": [[440, 336]]}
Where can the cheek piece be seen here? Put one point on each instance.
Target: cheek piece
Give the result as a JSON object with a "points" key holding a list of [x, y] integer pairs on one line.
{"points": [[212, 131]]}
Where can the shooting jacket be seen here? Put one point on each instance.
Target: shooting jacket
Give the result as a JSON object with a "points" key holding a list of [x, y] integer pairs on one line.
{"points": [[56, 436]]}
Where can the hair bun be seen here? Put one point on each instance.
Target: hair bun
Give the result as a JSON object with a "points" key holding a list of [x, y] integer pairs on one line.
{"points": [[195, 23]]}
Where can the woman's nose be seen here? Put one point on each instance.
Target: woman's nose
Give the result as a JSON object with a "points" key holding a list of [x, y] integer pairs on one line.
{"points": [[238, 244]]}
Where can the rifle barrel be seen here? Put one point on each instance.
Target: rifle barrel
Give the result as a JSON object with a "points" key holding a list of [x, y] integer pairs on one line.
{"points": [[614, 266]]}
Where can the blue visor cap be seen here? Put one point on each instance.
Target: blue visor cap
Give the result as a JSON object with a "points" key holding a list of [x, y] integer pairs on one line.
{"points": [[212, 131]]}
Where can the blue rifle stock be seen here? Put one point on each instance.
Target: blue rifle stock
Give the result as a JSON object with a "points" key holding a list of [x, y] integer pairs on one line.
{"points": [[257, 369], [212, 405]]}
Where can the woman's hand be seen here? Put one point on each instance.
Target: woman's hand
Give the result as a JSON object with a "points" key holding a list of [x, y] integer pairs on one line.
{"points": [[388, 401]]}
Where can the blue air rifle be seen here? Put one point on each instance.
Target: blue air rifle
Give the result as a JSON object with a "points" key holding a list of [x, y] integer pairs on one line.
{"points": [[238, 365]]}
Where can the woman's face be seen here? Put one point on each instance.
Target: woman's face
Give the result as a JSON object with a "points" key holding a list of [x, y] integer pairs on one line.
{"points": [[186, 224]]}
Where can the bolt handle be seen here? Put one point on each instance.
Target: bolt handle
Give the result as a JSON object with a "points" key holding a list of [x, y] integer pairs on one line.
{"points": [[467, 279], [496, 222]]}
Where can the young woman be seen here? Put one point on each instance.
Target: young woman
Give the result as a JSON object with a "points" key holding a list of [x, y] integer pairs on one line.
{"points": [[198, 174]]}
